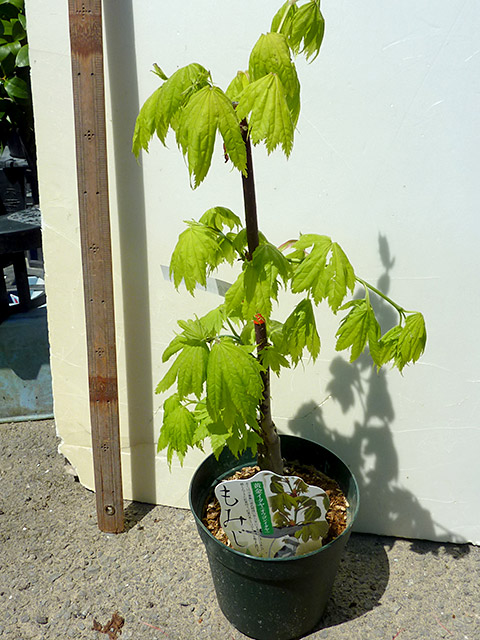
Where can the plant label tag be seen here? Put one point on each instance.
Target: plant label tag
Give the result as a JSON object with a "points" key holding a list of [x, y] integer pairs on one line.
{"points": [[272, 516]]}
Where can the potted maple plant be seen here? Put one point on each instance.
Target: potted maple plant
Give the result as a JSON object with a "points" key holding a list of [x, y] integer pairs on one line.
{"points": [[223, 360]]}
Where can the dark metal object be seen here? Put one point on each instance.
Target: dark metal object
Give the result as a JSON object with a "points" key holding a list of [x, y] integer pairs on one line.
{"points": [[19, 232]]}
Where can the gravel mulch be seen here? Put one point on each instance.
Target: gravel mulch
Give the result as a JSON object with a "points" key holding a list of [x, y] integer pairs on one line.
{"points": [[60, 576]]}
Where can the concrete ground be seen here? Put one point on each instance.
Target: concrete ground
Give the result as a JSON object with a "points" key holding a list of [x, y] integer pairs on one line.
{"points": [[59, 574]]}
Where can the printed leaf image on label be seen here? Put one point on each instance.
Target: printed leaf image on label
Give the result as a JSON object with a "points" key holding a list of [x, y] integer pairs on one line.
{"points": [[272, 516]]}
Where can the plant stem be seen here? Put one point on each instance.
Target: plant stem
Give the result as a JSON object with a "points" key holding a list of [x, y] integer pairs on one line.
{"points": [[249, 197], [232, 329], [269, 455], [401, 311]]}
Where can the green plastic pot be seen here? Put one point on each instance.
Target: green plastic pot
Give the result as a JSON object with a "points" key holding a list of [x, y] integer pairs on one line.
{"points": [[273, 598]]}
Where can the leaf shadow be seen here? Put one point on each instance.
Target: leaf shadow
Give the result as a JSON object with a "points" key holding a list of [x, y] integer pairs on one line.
{"points": [[370, 453]]}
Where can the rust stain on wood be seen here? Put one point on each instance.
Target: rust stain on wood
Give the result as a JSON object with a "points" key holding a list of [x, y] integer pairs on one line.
{"points": [[85, 28]]}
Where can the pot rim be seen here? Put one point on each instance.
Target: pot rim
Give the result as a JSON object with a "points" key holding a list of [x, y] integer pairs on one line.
{"points": [[344, 533]]}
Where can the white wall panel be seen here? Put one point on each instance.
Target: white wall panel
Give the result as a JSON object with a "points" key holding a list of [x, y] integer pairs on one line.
{"points": [[386, 162]]}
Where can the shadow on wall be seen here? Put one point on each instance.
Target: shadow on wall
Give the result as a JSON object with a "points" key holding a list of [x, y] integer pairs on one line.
{"points": [[370, 451], [123, 79]]}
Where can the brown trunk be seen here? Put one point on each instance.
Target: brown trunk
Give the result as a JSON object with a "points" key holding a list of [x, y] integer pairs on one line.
{"points": [[269, 453]]}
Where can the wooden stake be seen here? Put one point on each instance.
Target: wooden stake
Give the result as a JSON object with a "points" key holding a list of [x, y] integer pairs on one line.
{"points": [[89, 106]]}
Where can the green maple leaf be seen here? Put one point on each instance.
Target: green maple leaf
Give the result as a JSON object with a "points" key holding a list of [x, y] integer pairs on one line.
{"points": [[257, 286], [275, 331], [284, 18], [261, 287], [251, 441], [218, 441], [169, 378], [247, 333], [273, 359], [356, 328], [216, 432], [226, 250], [308, 240], [189, 370], [178, 429], [207, 111], [193, 330], [307, 30], [268, 254], [300, 332], [265, 104], [234, 383], [235, 297], [195, 255], [309, 274], [261, 279], [237, 85], [261, 282], [240, 242], [145, 123], [159, 72], [402, 344], [340, 277], [303, 24], [212, 322], [192, 370], [409, 341], [174, 346], [241, 440], [159, 111], [412, 339], [388, 345], [324, 271], [271, 54], [374, 346], [220, 217]]}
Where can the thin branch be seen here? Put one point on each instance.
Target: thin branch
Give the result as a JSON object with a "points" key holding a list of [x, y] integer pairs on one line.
{"points": [[401, 311]]}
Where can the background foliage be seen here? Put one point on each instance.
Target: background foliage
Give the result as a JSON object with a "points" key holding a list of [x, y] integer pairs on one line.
{"points": [[16, 115]]}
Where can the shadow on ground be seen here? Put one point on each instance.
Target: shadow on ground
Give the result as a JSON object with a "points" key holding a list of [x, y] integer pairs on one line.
{"points": [[361, 581], [134, 513]]}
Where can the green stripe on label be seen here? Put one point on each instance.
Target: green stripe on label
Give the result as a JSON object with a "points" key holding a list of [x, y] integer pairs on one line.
{"points": [[263, 510]]}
